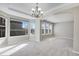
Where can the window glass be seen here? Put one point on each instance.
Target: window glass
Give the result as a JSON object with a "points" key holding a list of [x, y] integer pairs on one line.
{"points": [[50, 28], [43, 28], [47, 28], [2, 27], [18, 28], [32, 27], [25, 26]]}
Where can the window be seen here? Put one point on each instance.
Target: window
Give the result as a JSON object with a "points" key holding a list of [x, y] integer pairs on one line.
{"points": [[47, 28], [32, 27], [43, 28], [25, 26], [50, 28], [18, 28], [2, 27]]}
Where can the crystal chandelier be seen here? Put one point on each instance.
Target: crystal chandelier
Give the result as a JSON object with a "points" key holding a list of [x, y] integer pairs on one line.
{"points": [[37, 12]]}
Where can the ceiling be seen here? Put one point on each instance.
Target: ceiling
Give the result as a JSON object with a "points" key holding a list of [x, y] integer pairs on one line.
{"points": [[26, 7], [46, 7]]}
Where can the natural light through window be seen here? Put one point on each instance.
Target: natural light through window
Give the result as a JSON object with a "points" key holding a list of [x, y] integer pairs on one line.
{"points": [[24, 24], [15, 49]]}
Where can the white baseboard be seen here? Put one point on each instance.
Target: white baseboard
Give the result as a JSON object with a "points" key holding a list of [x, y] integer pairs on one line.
{"points": [[64, 36], [74, 51]]}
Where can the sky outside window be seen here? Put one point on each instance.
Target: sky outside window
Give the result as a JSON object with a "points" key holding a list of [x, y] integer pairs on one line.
{"points": [[24, 24]]}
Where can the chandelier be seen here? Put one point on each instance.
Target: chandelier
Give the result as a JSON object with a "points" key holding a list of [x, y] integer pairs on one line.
{"points": [[37, 12]]}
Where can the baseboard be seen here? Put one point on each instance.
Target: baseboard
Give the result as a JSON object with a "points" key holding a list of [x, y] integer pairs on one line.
{"points": [[64, 36], [74, 51]]}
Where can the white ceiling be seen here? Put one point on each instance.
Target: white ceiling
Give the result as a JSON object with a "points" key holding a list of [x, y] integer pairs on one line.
{"points": [[46, 7], [26, 7]]}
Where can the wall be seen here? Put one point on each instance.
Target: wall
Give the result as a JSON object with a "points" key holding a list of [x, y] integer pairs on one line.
{"points": [[37, 30], [75, 13], [76, 29], [17, 39], [64, 29]]}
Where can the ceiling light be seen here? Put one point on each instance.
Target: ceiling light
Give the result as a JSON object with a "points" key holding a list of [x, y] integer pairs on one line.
{"points": [[37, 12]]}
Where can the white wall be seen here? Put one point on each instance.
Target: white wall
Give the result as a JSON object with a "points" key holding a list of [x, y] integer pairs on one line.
{"points": [[17, 39], [76, 29], [37, 30], [64, 29], [75, 13]]}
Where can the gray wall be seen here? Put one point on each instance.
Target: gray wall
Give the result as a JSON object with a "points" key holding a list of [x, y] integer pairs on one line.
{"points": [[64, 29], [76, 29]]}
